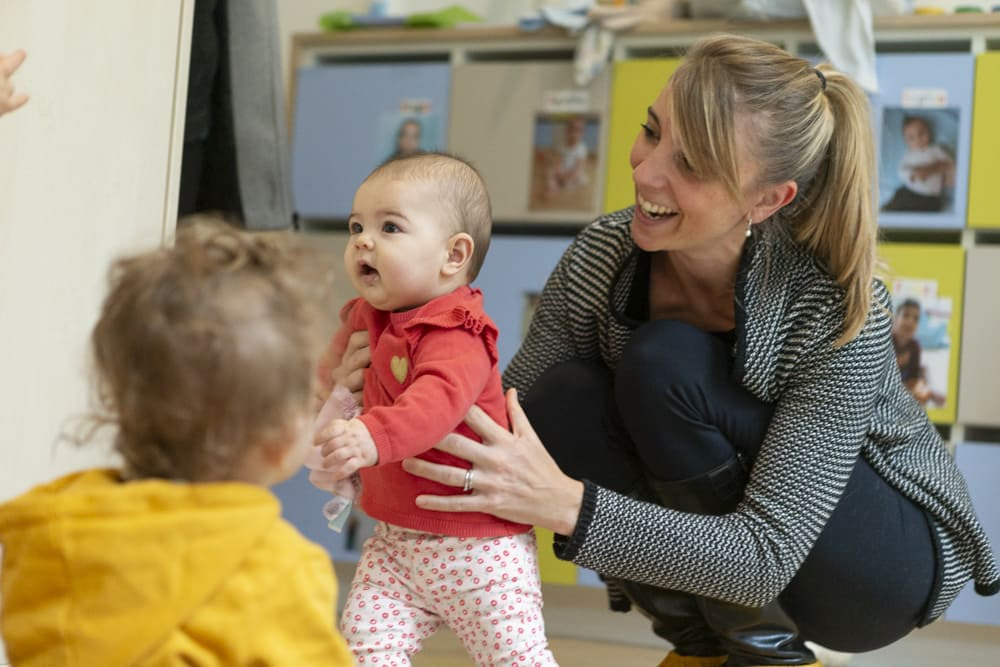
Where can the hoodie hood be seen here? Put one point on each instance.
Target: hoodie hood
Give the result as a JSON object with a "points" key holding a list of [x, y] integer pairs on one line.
{"points": [[101, 571]]}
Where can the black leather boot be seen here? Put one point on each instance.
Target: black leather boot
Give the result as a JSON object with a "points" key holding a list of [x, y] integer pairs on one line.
{"points": [[749, 635], [676, 617]]}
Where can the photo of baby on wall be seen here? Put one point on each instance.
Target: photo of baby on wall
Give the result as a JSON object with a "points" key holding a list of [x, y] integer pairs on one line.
{"points": [[920, 339], [414, 127], [564, 162], [917, 162]]}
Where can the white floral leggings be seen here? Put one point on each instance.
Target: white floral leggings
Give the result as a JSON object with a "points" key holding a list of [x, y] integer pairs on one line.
{"points": [[487, 590]]}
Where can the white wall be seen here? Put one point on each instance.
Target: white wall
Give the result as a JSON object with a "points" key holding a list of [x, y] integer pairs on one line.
{"points": [[88, 169]]}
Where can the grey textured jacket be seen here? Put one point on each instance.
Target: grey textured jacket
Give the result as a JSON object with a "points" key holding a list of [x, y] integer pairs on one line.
{"points": [[831, 405]]}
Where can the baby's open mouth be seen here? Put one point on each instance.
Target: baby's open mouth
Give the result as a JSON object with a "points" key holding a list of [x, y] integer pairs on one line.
{"points": [[367, 271]]}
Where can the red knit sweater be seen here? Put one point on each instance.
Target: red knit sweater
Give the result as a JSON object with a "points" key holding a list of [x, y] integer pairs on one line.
{"points": [[429, 366]]}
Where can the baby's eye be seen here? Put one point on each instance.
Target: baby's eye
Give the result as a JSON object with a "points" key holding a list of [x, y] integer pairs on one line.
{"points": [[354, 227], [390, 227]]}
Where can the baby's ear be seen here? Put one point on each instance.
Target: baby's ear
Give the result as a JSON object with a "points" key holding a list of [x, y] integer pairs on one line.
{"points": [[460, 247]]}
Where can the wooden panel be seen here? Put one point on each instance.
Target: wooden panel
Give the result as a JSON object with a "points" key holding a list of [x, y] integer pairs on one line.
{"points": [[500, 113], [979, 402]]}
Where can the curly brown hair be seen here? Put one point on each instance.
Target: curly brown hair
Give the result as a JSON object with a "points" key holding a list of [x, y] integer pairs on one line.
{"points": [[205, 350]]}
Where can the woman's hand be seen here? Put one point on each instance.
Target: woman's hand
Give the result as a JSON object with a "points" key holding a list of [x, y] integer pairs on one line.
{"points": [[351, 371], [513, 477]]}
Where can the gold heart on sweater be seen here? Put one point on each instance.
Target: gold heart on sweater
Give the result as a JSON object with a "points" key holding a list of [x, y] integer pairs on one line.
{"points": [[399, 368]]}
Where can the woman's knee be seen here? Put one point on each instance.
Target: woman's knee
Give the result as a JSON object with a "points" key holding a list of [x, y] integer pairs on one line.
{"points": [[572, 385], [667, 364], [667, 351]]}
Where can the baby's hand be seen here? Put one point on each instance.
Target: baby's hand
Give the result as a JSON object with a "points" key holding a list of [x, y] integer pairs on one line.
{"points": [[347, 446]]}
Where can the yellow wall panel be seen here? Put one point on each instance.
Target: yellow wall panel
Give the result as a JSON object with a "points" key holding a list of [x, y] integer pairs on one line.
{"points": [[635, 85], [934, 275], [552, 569], [984, 170]]}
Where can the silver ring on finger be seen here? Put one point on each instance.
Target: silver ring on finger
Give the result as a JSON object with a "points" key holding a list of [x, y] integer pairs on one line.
{"points": [[467, 487]]}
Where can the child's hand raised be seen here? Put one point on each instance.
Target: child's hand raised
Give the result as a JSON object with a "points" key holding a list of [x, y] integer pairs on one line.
{"points": [[346, 447], [9, 63]]}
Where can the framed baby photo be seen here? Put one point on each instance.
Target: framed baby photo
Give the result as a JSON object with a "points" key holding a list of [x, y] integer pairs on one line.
{"points": [[918, 159], [348, 118], [413, 127], [564, 159], [926, 281], [923, 116]]}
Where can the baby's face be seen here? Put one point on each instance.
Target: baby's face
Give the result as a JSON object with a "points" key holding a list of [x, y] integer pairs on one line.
{"points": [[398, 245], [916, 134], [906, 321], [409, 139]]}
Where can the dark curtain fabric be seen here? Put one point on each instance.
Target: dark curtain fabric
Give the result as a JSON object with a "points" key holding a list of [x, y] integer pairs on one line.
{"points": [[235, 158]]}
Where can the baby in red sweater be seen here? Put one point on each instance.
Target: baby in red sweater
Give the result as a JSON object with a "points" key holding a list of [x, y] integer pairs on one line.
{"points": [[419, 230]]}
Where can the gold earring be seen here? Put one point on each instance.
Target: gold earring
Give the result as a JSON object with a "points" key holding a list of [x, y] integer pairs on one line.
{"points": [[749, 223]]}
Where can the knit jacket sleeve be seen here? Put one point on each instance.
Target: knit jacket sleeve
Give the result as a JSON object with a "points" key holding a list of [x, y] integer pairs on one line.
{"points": [[815, 435]]}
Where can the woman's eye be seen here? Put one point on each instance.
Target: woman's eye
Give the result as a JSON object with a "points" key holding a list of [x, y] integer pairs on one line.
{"points": [[682, 161], [648, 131]]}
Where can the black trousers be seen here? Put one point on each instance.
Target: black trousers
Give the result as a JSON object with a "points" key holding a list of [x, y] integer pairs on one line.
{"points": [[672, 411]]}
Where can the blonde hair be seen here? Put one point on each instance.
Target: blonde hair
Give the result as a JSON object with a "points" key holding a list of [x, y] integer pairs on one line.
{"points": [[810, 125], [463, 195], [204, 350]]}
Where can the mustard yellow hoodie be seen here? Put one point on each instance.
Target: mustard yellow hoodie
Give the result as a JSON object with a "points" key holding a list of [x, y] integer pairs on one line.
{"points": [[150, 572]]}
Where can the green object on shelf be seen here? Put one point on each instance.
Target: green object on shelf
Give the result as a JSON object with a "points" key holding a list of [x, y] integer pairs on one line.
{"points": [[339, 20], [968, 9], [443, 18]]}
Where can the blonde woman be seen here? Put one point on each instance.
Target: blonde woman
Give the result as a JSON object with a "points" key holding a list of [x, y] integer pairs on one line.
{"points": [[712, 374]]}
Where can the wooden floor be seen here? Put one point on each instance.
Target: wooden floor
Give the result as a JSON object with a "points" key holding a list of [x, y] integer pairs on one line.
{"points": [[582, 633], [939, 645]]}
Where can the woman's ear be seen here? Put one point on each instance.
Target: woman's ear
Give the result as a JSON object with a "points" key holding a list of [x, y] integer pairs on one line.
{"points": [[460, 247], [773, 198]]}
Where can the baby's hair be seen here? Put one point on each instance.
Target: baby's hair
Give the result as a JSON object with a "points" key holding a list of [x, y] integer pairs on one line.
{"points": [[908, 303], [205, 350], [463, 193]]}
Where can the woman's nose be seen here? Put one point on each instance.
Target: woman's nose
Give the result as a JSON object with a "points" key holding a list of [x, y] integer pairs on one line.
{"points": [[649, 173], [650, 170]]}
